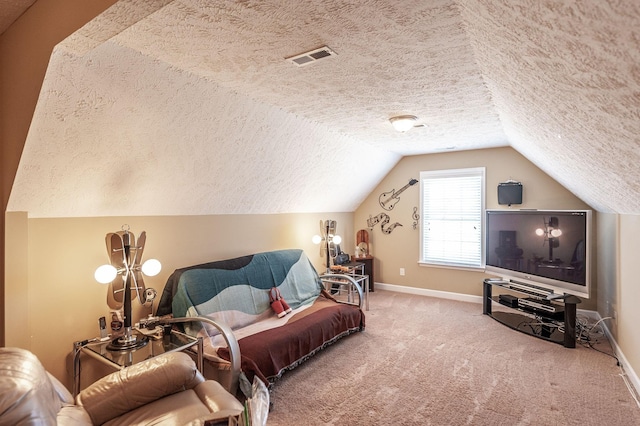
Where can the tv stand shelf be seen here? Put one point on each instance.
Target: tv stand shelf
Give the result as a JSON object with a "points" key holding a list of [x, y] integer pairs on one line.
{"points": [[559, 327]]}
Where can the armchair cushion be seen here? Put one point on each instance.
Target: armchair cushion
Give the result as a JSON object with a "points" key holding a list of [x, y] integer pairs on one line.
{"points": [[206, 401], [134, 387]]}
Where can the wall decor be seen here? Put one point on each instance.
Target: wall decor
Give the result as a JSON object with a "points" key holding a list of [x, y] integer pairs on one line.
{"points": [[389, 199], [416, 217], [383, 219], [362, 243]]}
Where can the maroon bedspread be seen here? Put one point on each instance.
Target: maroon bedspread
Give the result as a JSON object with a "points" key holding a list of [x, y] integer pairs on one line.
{"points": [[271, 352]]}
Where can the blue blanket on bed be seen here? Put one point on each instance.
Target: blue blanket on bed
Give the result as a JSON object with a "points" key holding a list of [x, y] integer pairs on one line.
{"points": [[236, 291]]}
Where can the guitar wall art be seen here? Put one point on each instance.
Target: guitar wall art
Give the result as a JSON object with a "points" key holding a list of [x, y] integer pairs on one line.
{"points": [[388, 201]]}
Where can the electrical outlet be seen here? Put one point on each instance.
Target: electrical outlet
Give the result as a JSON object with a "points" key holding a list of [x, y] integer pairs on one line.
{"points": [[402, 271]]}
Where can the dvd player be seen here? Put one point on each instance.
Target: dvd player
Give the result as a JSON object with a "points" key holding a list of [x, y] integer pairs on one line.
{"points": [[539, 304], [508, 300]]}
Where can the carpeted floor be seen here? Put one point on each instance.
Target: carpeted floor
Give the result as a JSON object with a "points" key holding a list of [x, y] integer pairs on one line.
{"points": [[429, 361]]}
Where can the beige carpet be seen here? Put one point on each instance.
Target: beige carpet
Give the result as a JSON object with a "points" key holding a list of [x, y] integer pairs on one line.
{"points": [[428, 361]]}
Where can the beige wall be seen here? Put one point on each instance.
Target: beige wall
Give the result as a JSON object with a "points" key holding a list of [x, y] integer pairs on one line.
{"points": [[400, 248], [618, 289], [58, 301], [25, 48], [608, 267], [17, 281], [627, 300]]}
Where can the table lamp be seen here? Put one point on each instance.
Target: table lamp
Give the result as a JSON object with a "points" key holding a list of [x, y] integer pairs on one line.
{"points": [[124, 276]]}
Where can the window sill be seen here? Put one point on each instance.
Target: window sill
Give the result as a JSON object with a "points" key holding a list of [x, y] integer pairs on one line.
{"points": [[448, 266]]}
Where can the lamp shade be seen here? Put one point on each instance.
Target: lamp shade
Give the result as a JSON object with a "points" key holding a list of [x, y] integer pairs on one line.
{"points": [[402, 123], [151, 267], [105, 274]]}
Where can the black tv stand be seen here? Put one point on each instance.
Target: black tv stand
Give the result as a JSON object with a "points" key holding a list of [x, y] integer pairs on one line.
{"points": [[558, 326]]}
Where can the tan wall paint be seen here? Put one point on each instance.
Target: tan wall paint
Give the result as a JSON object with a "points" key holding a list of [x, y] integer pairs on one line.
{"points": [[16, 294], [608, 267], [628, 337], [25, 48], [61, 300], [400, 249]]}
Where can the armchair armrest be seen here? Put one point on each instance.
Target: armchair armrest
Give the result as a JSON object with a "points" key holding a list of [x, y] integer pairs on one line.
{"points": [[234, 350], [345, 279], [140, 384]]}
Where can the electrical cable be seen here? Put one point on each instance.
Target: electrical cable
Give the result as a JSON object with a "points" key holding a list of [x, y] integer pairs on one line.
{"points": [[588, 339]]}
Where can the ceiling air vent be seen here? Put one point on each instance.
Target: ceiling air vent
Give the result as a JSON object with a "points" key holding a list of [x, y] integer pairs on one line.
{"points": [[311, 56]]}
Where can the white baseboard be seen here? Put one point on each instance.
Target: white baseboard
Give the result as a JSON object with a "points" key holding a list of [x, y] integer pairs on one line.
{"points": [[631, 375], [427, 292]]}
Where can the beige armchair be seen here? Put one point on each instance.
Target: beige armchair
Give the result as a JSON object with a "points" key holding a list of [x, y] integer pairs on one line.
{"points": [[167, 390]]}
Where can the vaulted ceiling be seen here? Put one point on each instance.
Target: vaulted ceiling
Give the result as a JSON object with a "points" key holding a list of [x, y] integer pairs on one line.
{"points": [[190, 107]]}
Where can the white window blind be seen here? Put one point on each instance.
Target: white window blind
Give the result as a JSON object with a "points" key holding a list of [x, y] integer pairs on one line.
{"points": [[452, 217]]}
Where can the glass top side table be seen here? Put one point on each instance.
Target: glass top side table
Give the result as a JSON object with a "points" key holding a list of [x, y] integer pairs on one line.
{"points": [[356, 271], [174, 341]]}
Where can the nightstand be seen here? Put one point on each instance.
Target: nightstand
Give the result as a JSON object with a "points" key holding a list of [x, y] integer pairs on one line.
{"points": [[368, 268], [356, 271]]}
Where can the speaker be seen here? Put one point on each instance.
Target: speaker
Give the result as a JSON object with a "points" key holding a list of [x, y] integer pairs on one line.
{"points": [[510, 193]]}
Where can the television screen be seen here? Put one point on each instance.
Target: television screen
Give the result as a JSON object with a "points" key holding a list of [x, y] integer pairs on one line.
{"points": [[541, 247]]}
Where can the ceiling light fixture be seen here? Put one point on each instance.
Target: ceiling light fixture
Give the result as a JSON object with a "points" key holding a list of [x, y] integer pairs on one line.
{"points": [[402, 123]]}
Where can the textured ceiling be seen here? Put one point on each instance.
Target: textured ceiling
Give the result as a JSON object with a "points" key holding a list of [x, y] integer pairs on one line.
{"points": [[189, 107]]}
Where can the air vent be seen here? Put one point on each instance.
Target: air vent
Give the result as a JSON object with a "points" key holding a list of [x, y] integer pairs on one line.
{"points": [[311, 56]]}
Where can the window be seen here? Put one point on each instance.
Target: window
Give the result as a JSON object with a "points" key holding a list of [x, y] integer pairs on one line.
{"points": [[452, 203]]}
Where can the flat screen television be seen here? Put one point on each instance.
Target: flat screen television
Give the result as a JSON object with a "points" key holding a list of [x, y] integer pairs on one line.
{"points": [[545, 248]]}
